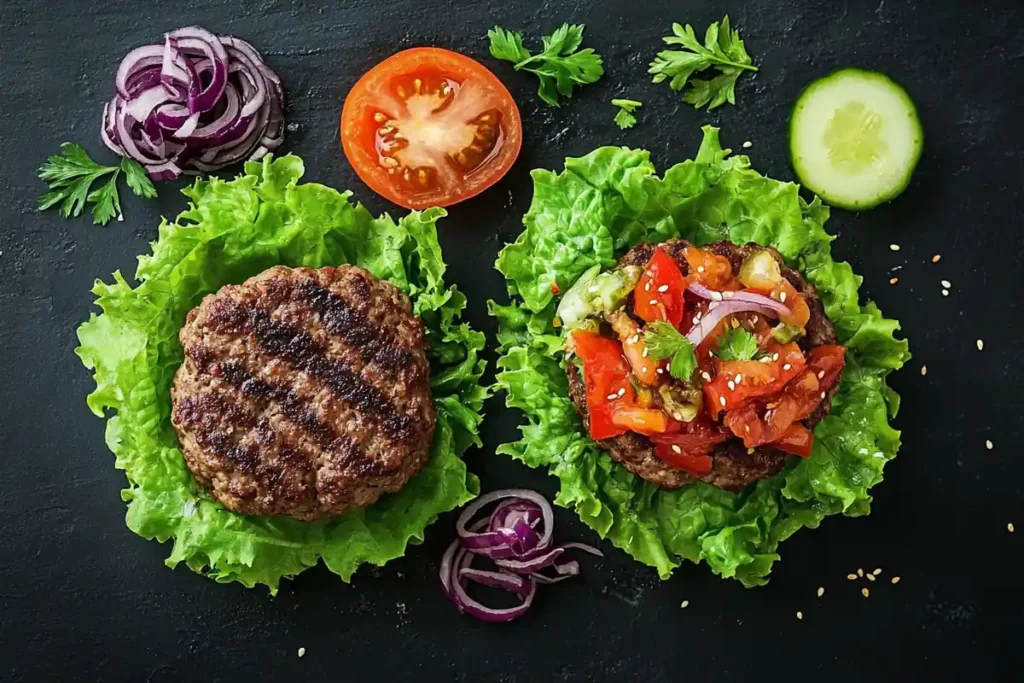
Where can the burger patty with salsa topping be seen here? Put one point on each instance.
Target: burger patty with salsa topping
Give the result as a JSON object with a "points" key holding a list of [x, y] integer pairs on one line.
{"points": [[700, 364]]}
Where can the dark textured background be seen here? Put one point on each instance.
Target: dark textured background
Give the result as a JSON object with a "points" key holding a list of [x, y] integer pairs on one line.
{"points": [[83, 599]]}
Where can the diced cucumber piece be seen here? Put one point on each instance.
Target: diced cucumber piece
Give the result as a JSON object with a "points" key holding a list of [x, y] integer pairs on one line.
{"points": [[854, 138], [595, 292]]}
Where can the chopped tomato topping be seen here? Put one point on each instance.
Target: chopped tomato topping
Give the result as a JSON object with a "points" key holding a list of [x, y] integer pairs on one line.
{"points": [[645, 368], [555, 289], [697, 463], [686, 445], [711, 270], [798, 440], [659, 293], [605, 374], [736, 382], [641, 420], [800, 313]]}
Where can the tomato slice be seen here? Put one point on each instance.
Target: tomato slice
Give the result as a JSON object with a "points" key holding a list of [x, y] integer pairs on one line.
{"points": [[687, 444], [697, 463], [430, 127], [605, 373], [798, 440], [711, 270], [645, 368], [659, 292], [641, 420], [756, 377]]}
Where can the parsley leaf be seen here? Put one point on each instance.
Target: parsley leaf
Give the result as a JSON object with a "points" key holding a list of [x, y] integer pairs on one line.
{"points": [[722, 49], [71, 174], [737, 344], [624, 118], [560, 66], [665, 341]]}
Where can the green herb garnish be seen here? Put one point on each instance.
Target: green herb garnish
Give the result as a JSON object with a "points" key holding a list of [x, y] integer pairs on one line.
{"points": [[624, 118], [70, 176], [665, 341], [722, 49], [737, 344], [560, 66]]}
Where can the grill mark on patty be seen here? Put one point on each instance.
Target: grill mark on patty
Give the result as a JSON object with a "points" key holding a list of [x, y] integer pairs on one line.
{"points": [[369, 341], [298, 348]]}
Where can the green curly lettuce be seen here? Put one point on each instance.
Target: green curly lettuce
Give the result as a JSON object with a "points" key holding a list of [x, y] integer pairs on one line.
{"points": [[232, 231], [600, 206]]}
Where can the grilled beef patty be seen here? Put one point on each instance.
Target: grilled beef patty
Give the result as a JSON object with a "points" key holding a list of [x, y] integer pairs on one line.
{"points": [[303, 392], [734, 467]]}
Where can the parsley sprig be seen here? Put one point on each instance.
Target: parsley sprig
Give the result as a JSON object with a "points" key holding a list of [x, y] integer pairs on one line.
{"points": [[737, 344], [722, 49], [71, 174], [560, 66], [625, 118], [665, 341]]}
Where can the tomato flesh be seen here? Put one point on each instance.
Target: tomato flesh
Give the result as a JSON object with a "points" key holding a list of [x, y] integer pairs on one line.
{"points": [[798, 440], [711, 270], [430, 127], [757, 378], [659, 292], [605, 373], [686, 445]]}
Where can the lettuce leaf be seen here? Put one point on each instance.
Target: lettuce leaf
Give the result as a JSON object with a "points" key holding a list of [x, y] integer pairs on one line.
{"points": [[593, 211], [231, 231]]}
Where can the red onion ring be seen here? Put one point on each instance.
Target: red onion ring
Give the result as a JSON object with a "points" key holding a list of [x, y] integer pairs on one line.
{"points": [[707, 322], [198, 101], [749, 297], [509, 536]]}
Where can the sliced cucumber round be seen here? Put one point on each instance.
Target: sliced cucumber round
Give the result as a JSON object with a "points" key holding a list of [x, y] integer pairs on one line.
{"points": [[854, 138]]}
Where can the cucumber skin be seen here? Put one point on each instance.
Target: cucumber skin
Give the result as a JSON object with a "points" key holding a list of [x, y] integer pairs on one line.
{"points": [[871, 75]]}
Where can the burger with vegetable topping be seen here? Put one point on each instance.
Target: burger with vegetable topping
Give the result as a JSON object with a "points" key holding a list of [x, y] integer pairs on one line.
{"points": [[711, 364]]}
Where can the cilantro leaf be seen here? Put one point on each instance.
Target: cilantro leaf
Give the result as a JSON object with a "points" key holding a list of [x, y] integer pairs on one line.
{"points": [[624, 118], [560, 66], [137, 178], [737, 344], [722, 49], [665, 341], [71, 174]]}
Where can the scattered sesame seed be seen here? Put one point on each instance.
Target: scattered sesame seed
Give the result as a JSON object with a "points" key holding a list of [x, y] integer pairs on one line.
{"points": [[988, 444], [717, 296], [612, 397], [894, 247], [1009, 527], [865, 592], [721, 399], [731, 385], [945, 292], [823, 395], [653, 302], [663, 288], [676, 448], [821, 591], [981, 345], [877, 571], [706, 376], [924, 370], [946, 283], [302, 652], [646, 351], [895, 580], [647, 286], [860, 572], [622, 391], [713, 305], [750, 451], [821, 374], [870, 577], [936, 258], [739, 378], [851, 577], [782, 297], [775, 356], [748, 144], [660, 371], [735, 323], [685, 604], [800, 616], [643, 369], [787, 366], [894, 280], [700, 269]]}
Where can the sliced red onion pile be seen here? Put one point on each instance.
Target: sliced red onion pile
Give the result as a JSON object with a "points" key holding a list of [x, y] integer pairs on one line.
{"points": [[517, 537], [198, 101], [728, 303]]}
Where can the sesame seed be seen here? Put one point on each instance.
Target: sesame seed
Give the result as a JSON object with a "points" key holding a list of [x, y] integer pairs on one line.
{"points": [[895, 580], [821, 374], [663, 288], [634, 339], [685, 604], [647, 286], [646, 351], [721, 399], [731, 385], [823, 394], [696, 319], [302, 652], [821, 591], [860, 572], [924, 370], [748, 144], [870, 577], [643, 369], [612, 397], [787, 366], [735, 323], [676, 448], [894, 247], [865, 592], [936, 258], [775, 356], [782, 297], [851, 577], [713, 305], [653, 302], [894, 280], [800, 616], [739, 378], [660, 371], [988, 444], [706, 376], [1009, 527], [750, 451], [622, 391], [877, 571], [717, 296], [946, 283], [700, 269], [981, 345], [945, 292]]}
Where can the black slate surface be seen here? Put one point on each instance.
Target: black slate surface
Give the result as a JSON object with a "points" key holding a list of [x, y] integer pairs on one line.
{"points": [[83, 599]]}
